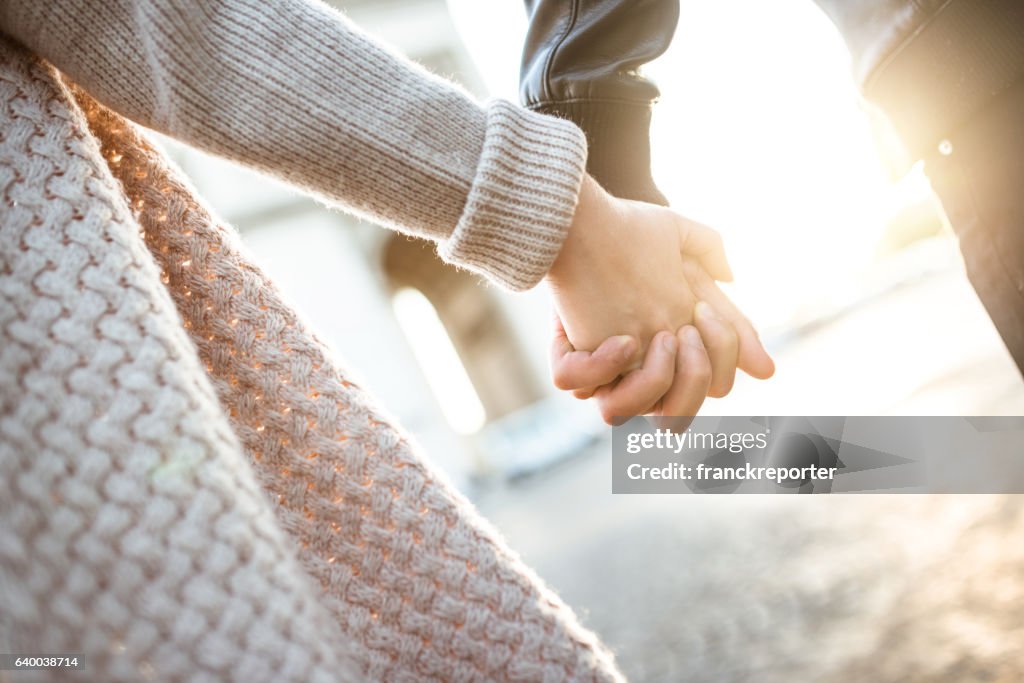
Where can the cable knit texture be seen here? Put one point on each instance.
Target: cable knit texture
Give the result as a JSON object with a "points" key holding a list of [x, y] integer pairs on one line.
{"points": [[190, 488], [294, 89]]}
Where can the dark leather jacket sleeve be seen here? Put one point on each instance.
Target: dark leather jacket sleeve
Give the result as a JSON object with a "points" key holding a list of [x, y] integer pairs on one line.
{"points": [[931, 65], [582, 61]]}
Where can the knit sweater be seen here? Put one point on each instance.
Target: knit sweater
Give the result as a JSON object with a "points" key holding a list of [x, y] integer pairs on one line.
{"points": [[292, 88], [190, 486]]}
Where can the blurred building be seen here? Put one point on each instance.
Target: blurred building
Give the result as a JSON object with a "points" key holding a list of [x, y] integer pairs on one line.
{"points": [[461, 364]]}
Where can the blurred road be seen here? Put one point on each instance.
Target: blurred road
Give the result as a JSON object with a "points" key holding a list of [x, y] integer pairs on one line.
{"points": [[777, 588], [773, 589]]}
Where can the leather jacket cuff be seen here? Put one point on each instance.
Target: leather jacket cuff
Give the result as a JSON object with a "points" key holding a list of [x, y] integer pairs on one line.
{"points": [[618, 139]]}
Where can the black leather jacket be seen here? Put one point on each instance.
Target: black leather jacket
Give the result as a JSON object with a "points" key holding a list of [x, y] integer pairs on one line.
{"points": [[927, 64]]}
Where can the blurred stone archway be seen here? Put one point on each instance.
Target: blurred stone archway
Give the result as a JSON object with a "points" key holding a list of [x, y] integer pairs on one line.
{"points": [[477, 326]]}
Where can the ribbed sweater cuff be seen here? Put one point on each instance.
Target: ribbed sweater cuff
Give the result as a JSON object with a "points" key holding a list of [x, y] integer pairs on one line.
{"points": [[522, 199]]}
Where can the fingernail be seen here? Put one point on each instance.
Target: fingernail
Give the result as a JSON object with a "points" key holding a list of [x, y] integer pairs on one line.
{"points": [[691, 337], [704, 310], [625, 346], [668, 341]]}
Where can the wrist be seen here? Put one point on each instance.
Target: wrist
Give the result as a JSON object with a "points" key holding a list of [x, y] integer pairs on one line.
{"points": [[591, 213]]}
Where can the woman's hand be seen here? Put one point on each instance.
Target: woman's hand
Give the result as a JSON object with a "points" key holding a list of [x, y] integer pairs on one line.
{"points": [[673, 380]]}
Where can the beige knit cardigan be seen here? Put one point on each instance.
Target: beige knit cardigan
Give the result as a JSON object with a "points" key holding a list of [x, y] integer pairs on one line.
{"points": [[190, 487]]}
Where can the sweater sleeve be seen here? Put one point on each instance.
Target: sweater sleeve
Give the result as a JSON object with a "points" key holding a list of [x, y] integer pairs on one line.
{"points": [[294, 89]]}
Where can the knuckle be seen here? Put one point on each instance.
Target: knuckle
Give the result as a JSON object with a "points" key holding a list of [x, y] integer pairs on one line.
{"points": [[561, 378], [727, 339], [697, 368], [610, 410], [662, 384], [721, 387], [700, 372], [602, 373]]}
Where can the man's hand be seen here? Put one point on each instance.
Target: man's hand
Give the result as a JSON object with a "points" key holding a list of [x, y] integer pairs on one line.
{"points": [[644, 274], [621, 269]]}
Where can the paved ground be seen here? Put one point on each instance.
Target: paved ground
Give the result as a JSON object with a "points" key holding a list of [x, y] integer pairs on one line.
{"points": [[757, 588], [771, 589]]}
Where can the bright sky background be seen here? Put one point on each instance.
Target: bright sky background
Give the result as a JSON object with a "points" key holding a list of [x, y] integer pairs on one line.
{"points": [[759, 133]]}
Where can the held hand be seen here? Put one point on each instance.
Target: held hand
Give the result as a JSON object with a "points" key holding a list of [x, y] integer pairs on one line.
{"points": [[621, 263], [621, 269], [669, 385], [672, 381], [704, 365], [728, 338]]}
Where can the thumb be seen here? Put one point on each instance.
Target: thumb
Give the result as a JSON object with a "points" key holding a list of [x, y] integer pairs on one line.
{"points": [[583, 371], [705, 244]]}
